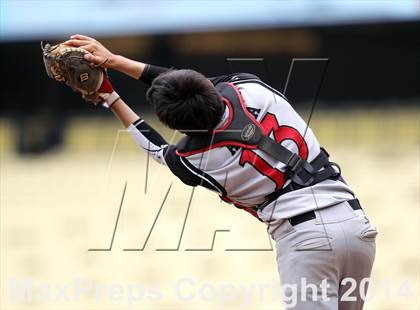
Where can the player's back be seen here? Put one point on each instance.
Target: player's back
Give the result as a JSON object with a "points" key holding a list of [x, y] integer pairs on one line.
{"points": [[247, 176]]}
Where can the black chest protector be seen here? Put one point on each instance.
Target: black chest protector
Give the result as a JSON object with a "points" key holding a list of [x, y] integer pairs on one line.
{"points": [[243, 130]]}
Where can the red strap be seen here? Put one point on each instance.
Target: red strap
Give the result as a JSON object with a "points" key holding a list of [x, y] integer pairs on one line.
{"points": [[106, 86]]}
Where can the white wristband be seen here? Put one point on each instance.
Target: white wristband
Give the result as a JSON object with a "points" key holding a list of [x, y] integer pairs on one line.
{"points": [[109, 99]]}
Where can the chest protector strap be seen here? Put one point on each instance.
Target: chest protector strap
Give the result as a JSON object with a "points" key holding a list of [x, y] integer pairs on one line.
{"points": [[243, 130]]}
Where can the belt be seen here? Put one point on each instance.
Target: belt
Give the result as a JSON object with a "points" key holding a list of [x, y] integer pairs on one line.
{"points": [[307, 216]]}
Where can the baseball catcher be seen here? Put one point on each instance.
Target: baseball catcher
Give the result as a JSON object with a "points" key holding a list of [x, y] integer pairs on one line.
{"points": [[245, 142]]}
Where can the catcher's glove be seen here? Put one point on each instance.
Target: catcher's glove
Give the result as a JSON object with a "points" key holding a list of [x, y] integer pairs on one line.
{"points": [[67, 64]]}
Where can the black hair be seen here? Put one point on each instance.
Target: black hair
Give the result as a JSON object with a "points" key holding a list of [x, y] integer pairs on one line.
{"points": [[186, 100]]}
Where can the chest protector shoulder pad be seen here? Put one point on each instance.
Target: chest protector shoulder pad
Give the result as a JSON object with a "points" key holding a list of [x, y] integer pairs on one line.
{"points": [[243, 130]]}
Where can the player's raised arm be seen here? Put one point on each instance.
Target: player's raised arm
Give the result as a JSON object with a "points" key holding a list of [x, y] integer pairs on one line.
{"points": [[94, 85], [101, 56]]}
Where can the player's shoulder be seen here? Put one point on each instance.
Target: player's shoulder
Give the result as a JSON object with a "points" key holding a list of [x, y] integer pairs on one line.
{"points": [[246, 80], [258, 91], [234, 77], [240, 77], [255, 92]]}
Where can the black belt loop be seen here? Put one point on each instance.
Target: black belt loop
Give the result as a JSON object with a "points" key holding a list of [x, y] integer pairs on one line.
{"points": [[355, 204], [307, 216]]}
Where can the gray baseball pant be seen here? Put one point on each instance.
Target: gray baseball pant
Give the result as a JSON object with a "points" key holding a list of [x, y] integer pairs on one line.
{"points": [[325, 263]]}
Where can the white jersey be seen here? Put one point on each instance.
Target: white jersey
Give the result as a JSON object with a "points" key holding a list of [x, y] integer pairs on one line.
{"points": [[245, 177]]}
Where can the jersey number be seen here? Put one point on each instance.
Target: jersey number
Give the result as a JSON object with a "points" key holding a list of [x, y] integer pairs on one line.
{"points": [[281, 133]]}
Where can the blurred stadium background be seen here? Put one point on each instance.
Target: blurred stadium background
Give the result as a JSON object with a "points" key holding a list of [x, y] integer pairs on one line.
{"points": [[64, 163]]}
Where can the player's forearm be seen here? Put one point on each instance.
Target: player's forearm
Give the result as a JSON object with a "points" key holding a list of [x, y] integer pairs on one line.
{"points": [[124, 113], [142, 133], [127, 66], [137, 70]]}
